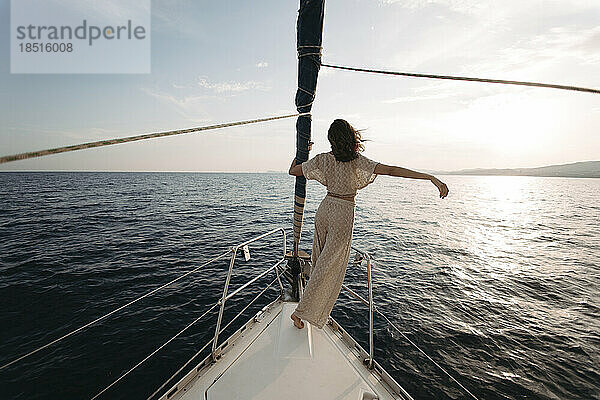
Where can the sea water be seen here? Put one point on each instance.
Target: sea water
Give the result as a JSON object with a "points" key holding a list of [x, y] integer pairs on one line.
{"points": [[499, 282]]}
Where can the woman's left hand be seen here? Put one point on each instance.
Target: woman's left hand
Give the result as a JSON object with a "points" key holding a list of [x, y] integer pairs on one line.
{"points": [[441, 187]]}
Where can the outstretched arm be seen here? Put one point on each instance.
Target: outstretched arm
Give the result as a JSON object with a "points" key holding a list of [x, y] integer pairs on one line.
{"points": [[382, 169]]}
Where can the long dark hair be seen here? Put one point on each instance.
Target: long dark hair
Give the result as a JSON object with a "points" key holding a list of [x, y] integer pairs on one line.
{"points": [[345, 140]]}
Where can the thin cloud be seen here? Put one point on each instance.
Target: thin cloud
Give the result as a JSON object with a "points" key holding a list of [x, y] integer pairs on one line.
{"points": [[232, 86], [262, 64], [407, 99], [462, 6], [190, 107], [109, 9]]}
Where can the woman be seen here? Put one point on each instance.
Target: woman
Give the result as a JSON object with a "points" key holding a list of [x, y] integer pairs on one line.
{"points": [[344, 171]]}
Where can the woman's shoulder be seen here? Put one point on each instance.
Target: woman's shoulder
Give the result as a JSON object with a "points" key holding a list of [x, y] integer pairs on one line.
{"points": [[364, 162], [363, 158], [325, 156]]}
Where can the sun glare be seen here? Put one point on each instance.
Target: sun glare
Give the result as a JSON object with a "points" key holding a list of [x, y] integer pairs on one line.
{"points": [[508, 123]]}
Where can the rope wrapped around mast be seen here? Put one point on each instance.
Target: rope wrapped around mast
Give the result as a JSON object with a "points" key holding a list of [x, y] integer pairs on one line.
{"points": [[309, 38]]}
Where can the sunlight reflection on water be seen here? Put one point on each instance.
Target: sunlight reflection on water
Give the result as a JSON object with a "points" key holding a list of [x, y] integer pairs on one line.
{"points": [[499, 282]]}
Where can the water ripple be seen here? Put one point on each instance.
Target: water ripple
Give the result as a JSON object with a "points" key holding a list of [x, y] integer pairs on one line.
{"points": [[497, 283]]}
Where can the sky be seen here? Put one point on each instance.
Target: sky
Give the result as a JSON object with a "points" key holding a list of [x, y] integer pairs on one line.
{"points": [[220, 61]]}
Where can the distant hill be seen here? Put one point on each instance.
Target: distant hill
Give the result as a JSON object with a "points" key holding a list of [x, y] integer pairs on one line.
{"points": [[584, 169]]}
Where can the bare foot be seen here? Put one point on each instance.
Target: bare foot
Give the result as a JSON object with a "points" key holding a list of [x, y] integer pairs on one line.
{"points": [[297, 321]]}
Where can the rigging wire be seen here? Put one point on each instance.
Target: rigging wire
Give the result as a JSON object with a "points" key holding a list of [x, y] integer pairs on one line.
{"points": [[112, 312], [426, 355], [156, 351], [207, 344], [101, 143], [108, 142], [464, 78], [362, 300]]}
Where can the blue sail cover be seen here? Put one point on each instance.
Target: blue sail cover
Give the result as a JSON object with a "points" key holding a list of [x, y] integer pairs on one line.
{"points": [[309, 37]]}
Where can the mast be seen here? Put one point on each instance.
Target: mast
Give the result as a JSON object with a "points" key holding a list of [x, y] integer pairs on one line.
{"points": [[309, 37]]}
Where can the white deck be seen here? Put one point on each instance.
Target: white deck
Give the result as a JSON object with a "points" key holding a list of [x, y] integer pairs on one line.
{"points": [[271, 359]]}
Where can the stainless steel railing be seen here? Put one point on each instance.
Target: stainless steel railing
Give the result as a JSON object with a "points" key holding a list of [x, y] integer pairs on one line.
{"points": [[358, 259], [360, 256], [221, 302], [226, 296]]}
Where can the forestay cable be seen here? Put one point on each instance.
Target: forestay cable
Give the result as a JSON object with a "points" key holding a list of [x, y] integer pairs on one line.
{"points": [[464, 78], [426, 355], [157, 350], [112, 312], [109, 142], [210, 342], [362, 300]]}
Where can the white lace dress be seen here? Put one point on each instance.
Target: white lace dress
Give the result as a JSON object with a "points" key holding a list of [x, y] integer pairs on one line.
{"points": [[334, 222]]}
